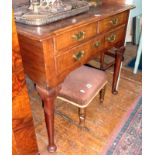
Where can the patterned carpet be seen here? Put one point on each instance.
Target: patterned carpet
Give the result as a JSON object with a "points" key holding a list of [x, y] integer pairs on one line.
{"points": [[131, 64], [128, 141]]}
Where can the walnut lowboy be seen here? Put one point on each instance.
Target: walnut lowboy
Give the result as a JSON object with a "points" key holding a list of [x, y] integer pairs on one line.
{"points": [[52, 51]]}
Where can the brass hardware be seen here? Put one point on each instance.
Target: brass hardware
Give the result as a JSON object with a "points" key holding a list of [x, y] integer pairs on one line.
{"points": [[79, 36], [114, 21], [77, 56], [112, 38], [97, 44]]}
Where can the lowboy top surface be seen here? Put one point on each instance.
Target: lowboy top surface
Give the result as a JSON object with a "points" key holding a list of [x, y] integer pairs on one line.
{"points": [[94, 14]]}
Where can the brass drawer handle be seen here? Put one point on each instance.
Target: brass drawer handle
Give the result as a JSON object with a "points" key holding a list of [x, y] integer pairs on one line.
{"points": [[79, 36], [112, 38], [97, 44], [77, 56], [114, 21]]}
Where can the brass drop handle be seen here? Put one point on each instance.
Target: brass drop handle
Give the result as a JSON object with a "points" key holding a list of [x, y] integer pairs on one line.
{"points": [[112, 38], [77, 56], [97, 44], [79, 36], [114, 21]]}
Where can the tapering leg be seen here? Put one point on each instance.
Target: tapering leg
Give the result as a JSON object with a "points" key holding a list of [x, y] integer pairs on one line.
{"points": [[118, 60], [82, 116], [48, 96], [102, 54], [102, 94]]}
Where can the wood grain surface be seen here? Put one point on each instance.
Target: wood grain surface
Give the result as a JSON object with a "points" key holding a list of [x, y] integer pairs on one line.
{"points": [[24, 138]]}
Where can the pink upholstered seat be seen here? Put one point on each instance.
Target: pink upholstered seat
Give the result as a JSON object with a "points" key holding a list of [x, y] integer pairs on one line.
{"points": [[82, 85]]}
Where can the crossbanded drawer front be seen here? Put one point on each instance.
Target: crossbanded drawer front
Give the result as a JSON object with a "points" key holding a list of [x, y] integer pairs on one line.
{"points": [[75, 36], [115, 38], [113, 22], [79, 55]]}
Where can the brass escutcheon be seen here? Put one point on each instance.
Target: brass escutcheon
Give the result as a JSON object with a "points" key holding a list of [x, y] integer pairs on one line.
{"points": [[97, 44]]}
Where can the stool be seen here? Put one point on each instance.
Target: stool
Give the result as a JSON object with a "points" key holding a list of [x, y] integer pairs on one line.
{"points": [[81, 86]]}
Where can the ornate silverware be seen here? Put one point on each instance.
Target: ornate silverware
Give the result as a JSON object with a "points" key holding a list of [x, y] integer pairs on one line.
{"points": [[47, 11]]}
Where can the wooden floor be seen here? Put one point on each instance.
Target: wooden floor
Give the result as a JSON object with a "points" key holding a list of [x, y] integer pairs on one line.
{"points": [[101, 120]]}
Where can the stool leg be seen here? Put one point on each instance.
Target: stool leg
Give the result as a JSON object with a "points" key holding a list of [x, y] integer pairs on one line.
{"points": [[102, 94], [82, 116]]}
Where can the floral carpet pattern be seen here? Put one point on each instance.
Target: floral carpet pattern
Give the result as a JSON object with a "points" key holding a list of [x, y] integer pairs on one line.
{"points": [[129, 140]]}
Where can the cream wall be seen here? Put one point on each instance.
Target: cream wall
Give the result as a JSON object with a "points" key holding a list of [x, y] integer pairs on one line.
{"points": [[135, 12]]}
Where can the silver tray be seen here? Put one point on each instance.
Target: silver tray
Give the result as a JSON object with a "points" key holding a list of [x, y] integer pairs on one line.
{"points": [[24, 15]]}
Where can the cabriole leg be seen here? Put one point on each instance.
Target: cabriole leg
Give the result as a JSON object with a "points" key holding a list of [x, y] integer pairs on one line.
{"points": [[48, 96]]}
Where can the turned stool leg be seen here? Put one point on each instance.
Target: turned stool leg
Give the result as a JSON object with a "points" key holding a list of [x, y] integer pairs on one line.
{"points": [[82, 116], [102, 94]]}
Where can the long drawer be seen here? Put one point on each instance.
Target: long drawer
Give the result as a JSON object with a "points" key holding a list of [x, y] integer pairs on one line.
{"points": [[112, 22], [75, 36], [79, 55]]}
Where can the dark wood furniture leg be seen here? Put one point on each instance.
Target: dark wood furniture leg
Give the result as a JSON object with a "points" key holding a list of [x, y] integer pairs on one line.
{"points": [[48, 96], [102, 54], [118, 60], [102, 94], [102, 91]]}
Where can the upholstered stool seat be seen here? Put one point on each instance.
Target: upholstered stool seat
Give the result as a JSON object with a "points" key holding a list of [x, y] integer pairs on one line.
{"points": [[81, 86]]}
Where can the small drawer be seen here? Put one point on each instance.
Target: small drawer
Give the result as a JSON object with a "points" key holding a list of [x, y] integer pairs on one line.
{"points": [[115, 38], [113, 21], [74, 36], [79, 55]]}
